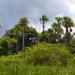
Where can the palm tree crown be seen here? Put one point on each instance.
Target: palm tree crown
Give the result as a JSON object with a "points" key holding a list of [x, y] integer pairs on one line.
{"points": [[44, 19]]}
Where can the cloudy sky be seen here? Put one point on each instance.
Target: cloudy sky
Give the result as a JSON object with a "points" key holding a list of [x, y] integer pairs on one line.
{"points": [[12, 10]]}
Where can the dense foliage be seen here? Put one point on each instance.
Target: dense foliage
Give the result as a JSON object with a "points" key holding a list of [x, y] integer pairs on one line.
{"points": [[47, 59], [47, 54], [22, 35]]}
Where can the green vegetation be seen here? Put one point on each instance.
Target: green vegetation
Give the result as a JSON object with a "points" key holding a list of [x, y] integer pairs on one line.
{"points": [[40, 59], [47, 54], [22, 69], [22, 36], [24, 51]]}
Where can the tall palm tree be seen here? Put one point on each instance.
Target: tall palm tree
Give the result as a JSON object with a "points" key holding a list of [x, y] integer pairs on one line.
{"points": [[68, 23], [57, 28], [44, 19], [24, 24]]}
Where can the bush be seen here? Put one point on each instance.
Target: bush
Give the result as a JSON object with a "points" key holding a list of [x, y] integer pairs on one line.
{"points": [[3, 51], [47, 54]]}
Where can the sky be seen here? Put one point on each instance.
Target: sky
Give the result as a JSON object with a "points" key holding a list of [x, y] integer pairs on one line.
{"points": [[12, 10]]}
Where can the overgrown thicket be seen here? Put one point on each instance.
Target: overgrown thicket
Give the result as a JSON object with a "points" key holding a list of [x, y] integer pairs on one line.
{"points": [[22, 36], [47, 54], [42, 54]]}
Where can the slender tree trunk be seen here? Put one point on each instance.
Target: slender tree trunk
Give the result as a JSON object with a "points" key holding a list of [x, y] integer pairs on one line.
{"points": [[66, 29], [17, 46], [55, 38], [23, 39], [43, 32], [67, 37], [59, 37]]}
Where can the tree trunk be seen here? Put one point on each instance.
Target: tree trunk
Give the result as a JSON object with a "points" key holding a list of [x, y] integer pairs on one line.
{"points": [[23, 39], [17, 46], [66, 29], [43, 32], [67, 37]]}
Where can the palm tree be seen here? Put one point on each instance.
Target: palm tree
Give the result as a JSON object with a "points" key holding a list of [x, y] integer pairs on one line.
{"points": [[57, 28], [67, 23], [24, 24], [44, 19]]}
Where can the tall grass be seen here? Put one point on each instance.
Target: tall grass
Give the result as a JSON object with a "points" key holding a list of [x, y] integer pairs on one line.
{"points": [[17, 64], [16, 68]]}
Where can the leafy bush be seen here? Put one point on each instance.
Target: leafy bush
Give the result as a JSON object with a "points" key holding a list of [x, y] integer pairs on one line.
{"points": [[47, 54], [3, 51], [72, 50]]}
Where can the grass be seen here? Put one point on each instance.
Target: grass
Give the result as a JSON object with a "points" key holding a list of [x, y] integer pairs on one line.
{"points": [[16, 65], [20, 68]]}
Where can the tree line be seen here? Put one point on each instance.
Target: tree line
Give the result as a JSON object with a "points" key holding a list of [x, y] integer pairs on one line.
{"points": [[22, 36]]}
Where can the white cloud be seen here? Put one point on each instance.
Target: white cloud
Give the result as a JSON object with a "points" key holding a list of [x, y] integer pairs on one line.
{"points": [[70, 6]]}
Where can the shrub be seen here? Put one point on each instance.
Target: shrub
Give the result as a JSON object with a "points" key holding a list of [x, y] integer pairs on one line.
{"points": [[47, 54], [3, 51]]}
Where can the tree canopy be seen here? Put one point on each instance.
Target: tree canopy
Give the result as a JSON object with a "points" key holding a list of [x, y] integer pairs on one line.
{"points": [[22, 35]]}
